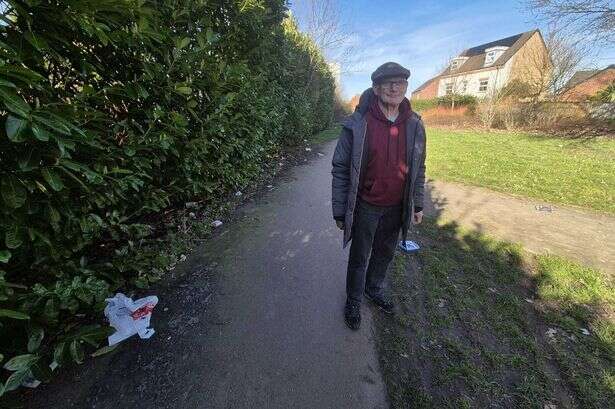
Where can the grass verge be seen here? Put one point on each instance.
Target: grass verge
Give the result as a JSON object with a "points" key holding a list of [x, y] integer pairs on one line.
{"points": [[326, 135], [564, 171], [481, 324]]}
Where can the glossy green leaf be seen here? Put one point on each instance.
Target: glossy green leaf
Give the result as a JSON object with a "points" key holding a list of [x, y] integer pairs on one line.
{"points": [[5, 256], [59, 353], [76, 351], [183, 42], [16, 315], [37, 42], [52, 179], [20, 362], [13, 193], [15, 380], [15, 128], [13, 237], [14, 102], [184, 90], [40, 133], [21, 73], [36, 337], [5, 83], [52, 122]]}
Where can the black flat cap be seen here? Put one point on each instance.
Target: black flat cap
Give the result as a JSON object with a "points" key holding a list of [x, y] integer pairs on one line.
{"points": [[388, 70]]}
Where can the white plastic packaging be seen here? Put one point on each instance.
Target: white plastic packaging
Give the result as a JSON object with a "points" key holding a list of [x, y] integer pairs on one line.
{"points": [[129, 317]]}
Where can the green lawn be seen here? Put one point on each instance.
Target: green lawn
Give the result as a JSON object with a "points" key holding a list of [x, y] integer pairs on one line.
{"points": [[557, 170], [480, 323], [326, 135]]}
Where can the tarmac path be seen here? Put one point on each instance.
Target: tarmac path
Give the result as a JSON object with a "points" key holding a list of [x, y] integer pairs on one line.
{"points": [[255, 322]]}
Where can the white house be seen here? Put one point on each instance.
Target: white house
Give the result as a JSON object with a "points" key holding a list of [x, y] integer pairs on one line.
{"points": [[481, 70]]}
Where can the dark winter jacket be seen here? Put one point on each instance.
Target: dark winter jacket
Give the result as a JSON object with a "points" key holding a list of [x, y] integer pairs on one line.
{"points": [[350, 161]]}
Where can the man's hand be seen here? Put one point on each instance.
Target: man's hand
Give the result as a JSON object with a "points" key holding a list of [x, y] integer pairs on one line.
{"points": [[340, 224], [417, 218]]}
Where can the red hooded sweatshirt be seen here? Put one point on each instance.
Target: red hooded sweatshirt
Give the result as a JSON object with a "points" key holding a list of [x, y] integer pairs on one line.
{"points": [[385, 174]]}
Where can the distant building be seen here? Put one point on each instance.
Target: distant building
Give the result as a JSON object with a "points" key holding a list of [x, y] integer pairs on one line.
{"points": [[585, 84], [481, 70], [427, 90]]}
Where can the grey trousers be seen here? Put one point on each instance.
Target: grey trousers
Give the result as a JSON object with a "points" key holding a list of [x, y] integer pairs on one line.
{"points": [[375, 232]]}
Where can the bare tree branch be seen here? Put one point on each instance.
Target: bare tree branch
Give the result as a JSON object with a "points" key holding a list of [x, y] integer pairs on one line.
{"points": [[323, 22], [591, 20]]}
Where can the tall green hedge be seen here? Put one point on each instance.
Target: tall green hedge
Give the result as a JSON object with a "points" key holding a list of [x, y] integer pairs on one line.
{"points": [[113, 110]]}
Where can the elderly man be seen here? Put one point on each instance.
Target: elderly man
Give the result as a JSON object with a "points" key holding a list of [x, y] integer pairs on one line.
{"points": [[378, 183]]}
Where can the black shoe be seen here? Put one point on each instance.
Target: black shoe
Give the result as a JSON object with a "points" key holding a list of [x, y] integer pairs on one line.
{"points": [[352, 315], [381, 302]]}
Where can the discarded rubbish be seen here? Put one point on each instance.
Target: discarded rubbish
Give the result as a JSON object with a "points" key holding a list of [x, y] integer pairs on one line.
{"points": [[182, 258], [192, 215], [584, 331], [308, 149], [543, 208], [216, 223], [32, 382], [409, 246], [129, 317], [238, 193], [321, 154], [192, 205], [551, 332]]}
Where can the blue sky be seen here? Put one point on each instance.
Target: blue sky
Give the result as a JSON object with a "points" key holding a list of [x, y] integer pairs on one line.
{"points": [[421, 35]]}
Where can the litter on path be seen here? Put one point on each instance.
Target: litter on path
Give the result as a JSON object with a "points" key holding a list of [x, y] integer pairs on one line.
{"points": [[409, 246], [129, 317]]}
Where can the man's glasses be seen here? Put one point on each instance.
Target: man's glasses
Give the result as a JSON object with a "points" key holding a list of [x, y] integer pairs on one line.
{"points": [[394, 84]]}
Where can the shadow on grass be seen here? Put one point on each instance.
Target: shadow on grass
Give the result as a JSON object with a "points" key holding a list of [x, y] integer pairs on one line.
{"points": [[482, 324]]}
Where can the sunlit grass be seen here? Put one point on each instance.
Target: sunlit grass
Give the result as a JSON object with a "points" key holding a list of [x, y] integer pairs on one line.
{"points": [[557, 170], [326, 135], [496, 326]]}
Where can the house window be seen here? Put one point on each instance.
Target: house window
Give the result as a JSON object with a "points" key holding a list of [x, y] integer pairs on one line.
{"points": [[454, 64], [490, 57], [449, 88], [482, 85], [464, 87]]}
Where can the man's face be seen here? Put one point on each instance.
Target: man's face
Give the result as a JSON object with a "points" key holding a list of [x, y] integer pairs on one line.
{"points": [[392, 90]]}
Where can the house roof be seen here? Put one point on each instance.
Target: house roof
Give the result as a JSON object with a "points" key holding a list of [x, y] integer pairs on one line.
{"points": [[477, 54], [581, 76], [425, 84]]}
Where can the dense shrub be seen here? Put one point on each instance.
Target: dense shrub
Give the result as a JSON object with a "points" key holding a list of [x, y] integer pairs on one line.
{"points": [[421, 105], [458, 100], [116, 109], [605, 95]]}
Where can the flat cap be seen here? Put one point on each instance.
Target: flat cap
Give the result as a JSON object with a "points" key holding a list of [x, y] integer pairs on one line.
{"points": [[388, 70]]}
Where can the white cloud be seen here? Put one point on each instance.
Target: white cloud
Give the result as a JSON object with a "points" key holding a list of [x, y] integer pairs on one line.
{"points": [[424, 50]]}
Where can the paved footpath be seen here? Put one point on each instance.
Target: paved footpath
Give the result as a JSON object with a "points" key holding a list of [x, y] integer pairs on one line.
{"points": [[268, 332], [575, 233]]}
